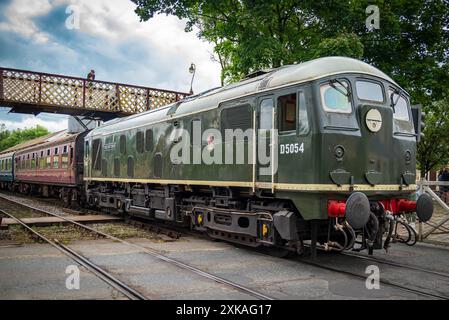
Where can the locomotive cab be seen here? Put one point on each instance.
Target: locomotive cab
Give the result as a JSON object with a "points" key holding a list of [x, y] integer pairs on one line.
{"points": [[368, 143]]}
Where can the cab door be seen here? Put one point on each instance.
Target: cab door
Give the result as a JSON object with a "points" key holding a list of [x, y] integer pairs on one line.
{"points": [[266, 156], [295, 160]]}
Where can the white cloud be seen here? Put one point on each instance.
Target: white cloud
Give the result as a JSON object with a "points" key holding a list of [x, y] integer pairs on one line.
{"points": [[163, 35], [115, 22], [118, 35], [31, 121], [19, 14]]}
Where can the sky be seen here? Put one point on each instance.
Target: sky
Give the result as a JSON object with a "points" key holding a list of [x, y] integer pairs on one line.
{"points": [[43, 35]]}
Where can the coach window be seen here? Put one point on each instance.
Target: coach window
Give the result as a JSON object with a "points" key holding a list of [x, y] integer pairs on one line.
{"points": [[55, 161], [48, 164], [149, 140], [65, 159], [42, 161], [71, 155], [335, 97], [33, 161], [287, 112], [139, 141], [56, 151]]}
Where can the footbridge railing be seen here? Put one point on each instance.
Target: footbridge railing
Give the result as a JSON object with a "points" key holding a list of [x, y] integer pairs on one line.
{"points": [[34, 92]]}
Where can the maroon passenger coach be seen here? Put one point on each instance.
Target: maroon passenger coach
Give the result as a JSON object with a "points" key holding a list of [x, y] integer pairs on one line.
{"points": [[53, 168]]}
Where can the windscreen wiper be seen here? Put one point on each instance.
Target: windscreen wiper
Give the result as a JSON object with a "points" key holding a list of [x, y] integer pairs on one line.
{"points": [[332, 84], [393, 103]]}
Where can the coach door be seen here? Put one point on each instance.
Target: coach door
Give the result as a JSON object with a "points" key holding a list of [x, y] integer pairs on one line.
{"points": [[266, 155]]}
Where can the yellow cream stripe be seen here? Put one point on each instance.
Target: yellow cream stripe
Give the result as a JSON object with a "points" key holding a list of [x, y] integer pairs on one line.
{"points": [[266, 185]]}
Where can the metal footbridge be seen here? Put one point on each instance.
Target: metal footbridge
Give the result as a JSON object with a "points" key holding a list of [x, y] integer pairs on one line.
{"points": [[34, 92]]}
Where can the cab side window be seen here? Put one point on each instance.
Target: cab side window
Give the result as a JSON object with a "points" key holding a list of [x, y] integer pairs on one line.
{"points": [[287, 112]]}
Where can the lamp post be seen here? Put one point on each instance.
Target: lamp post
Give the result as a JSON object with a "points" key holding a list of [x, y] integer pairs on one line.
{"points": [[192, 70]]}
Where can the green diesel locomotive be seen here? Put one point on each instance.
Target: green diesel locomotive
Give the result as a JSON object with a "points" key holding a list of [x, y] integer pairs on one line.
{"points": [[320, 153]]}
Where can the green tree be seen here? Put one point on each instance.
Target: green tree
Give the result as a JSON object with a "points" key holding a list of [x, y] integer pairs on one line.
{"points": [[14, 137], [411, 45], [253, 35], [433, 149]]}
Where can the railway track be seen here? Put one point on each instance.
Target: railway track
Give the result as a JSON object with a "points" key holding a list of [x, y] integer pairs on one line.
{"points": [[107, 277], [363, 276], [317, 264], [150, 252], [155, 227], [396, 264], [381, 281]]}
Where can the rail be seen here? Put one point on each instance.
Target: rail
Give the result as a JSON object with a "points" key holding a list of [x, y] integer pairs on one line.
{"points": [[22, 89], [153, 253], [424, 186], [81, 260]]}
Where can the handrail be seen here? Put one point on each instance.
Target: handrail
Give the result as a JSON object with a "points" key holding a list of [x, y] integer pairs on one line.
{"points": [[94, 81]]}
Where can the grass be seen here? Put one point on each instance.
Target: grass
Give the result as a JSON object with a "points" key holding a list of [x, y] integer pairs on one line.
{"points": [[69, 233]]}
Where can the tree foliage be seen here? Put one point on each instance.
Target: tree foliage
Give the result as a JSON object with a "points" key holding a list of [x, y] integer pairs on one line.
{"points": [[411, 45], [433, 150], [14, 137]]}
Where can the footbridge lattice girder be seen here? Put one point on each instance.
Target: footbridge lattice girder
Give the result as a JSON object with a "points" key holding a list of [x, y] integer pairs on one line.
{"points": [[35, 92]]}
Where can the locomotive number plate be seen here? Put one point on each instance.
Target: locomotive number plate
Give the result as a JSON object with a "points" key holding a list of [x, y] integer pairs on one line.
{"points": [[291, 148]]}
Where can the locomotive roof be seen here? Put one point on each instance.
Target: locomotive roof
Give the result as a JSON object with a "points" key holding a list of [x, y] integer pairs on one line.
{"points": [[270, 79]]}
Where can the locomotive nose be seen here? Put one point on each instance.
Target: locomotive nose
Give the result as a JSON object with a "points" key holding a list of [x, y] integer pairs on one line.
{"points": [[357, 210]]}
